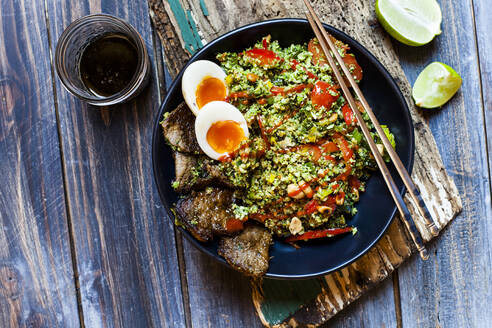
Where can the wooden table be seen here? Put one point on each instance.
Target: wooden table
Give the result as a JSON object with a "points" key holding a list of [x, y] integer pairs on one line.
{"points": [[84, 239]]}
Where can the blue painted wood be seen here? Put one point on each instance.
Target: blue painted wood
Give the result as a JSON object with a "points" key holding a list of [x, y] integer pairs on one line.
{"points": [[124, 244], [484, 44], [457, 290], [36, 274]]}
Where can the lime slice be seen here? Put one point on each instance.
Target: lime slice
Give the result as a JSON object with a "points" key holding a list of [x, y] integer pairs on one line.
{"points": [[412, 22], [435, 85]]}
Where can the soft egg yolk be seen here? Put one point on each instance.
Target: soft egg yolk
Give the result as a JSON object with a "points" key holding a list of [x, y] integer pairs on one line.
{"points": [[225, 136], [210, 89]]}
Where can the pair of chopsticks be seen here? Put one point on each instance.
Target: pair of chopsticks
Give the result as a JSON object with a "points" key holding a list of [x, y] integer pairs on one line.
{"points": [[327, 45]]}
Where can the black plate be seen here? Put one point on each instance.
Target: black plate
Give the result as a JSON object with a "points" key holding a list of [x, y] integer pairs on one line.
{"points": [[375, 209]]}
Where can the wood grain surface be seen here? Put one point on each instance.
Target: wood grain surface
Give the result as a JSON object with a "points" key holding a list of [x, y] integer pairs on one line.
{"points": [[339, 289], [455, 294], [37, 286], [123, 244], [85, 242], [481, 16]]}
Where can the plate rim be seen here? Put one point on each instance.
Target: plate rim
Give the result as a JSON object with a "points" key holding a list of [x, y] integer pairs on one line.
{"points": [[380, 67]]}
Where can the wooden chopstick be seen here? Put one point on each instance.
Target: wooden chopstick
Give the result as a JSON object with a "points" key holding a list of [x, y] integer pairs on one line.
{"points": [[325, 43], [407, 180]]}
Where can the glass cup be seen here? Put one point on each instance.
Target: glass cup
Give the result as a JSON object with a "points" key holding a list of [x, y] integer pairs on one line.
{"points": [[72, 43]]}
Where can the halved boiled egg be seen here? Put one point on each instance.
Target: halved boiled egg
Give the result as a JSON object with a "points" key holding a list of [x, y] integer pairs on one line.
{"points": [[203, 81], [220, 128]]}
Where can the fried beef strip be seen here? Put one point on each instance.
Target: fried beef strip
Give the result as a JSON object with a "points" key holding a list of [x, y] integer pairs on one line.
{"points": [[197, 172], [205, 213], [248, 251], [179, 130]]}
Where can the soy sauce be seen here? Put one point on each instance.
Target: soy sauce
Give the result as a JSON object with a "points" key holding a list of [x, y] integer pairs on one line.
{"points": [[108, 64]]}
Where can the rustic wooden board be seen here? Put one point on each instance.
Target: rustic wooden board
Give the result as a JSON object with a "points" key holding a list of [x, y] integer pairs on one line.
{"points": [[36, 274], [124, 246], [455, 294], [192, 23]]}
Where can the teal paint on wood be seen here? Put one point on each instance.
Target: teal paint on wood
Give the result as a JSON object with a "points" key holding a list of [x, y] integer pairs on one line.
{"points": [[282, 298], [198, 42], [187, 26], [204, 8]]}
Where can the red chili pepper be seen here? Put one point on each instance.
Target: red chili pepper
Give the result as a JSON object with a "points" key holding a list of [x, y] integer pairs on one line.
{"points": [[348, 115], [265, 43], [318, 234]]}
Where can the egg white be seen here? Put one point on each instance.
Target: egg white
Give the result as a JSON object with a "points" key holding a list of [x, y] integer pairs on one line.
{"points": [[194, 75], [212, 112]]}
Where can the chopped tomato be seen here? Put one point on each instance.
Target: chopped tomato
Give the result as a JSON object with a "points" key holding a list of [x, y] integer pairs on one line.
{"points": [[330, 158], [354, 182], [277, 90], [324, 94], [293, 64], [347, 153], [314, 150], [353, 66], [266, 57], [239, 94], [329, 147], [343, 176], [319, 234], [319, 57], [348, 115]]}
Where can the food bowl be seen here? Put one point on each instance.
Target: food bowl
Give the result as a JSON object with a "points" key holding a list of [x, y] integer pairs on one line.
{"points": [[376, 208]]}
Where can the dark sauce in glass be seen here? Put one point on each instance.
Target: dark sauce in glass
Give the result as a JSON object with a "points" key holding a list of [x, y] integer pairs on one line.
{"points": [[108, 64]]}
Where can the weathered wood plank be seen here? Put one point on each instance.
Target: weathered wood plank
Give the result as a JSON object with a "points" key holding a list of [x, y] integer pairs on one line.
{"points": [[37, 287], [484, 44], [457, 290], [219, 296], [357, 19], [124, 244]]}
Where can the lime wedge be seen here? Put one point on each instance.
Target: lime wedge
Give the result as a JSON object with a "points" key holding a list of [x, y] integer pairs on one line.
{"points": [[412, 22], [435, 85]]}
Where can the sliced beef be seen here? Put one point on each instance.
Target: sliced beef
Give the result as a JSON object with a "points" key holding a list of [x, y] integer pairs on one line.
{"points": [[197, 172], [179, 130], [205, 213], [248, 251], [190, 173]]}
